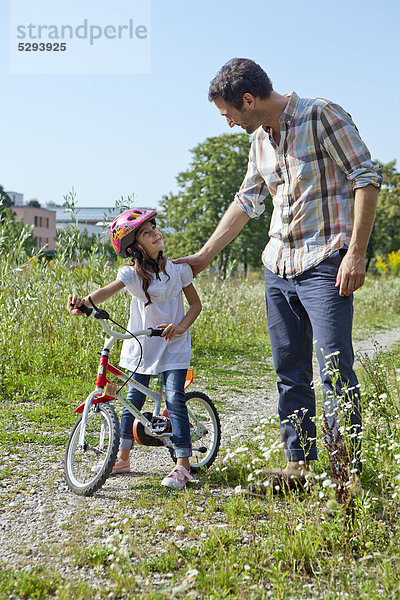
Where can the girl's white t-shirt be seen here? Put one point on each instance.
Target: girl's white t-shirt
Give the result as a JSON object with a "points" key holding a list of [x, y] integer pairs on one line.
{"points": [[166, 307]]}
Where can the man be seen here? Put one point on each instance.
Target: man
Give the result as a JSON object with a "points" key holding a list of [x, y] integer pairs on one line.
{"points": [[308, 155]]}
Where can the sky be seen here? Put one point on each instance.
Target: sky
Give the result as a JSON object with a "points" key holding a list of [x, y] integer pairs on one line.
{"points": [[113, 135]]}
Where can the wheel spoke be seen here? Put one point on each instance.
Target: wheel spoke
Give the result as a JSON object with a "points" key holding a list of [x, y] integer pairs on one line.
{"points": [[86, 469], [205, 429]]}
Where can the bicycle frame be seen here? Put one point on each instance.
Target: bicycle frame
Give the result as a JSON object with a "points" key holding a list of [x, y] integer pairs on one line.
{"points": [[106, 391]]}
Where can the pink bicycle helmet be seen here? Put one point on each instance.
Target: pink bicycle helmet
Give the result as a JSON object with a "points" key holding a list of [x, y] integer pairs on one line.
{"points": [[125, 226]]}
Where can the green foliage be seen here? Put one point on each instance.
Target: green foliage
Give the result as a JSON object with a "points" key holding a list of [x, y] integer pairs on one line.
{"points": [[376, 305], [5, 200], [205, 191], [80, 246], [389, 266], [232, 546], [42, 584], [16, 238], [232, 319], [34, 204], [30, 583], [385, 236]]}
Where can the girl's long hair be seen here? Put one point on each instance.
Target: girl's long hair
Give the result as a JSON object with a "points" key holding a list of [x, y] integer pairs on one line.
{"points": [[145, 267]]}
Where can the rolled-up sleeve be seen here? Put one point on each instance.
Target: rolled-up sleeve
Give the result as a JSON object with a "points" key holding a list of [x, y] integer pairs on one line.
{"points": [[253, 190], [342, 141]]}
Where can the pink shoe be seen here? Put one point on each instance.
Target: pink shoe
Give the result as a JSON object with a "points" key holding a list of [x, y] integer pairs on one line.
{"points": [[178, 478], [121, 466]]}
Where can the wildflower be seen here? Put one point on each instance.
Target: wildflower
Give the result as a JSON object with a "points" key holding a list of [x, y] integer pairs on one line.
{"points": [[192, 573]]}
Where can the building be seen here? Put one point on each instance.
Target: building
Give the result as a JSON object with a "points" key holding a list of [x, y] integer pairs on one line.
{"points": [[93, 219], [43, 222], [16, 198]]}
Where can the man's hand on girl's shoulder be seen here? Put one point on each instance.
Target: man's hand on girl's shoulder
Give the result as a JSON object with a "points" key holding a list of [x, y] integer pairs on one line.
{"points": [[197, 262]]}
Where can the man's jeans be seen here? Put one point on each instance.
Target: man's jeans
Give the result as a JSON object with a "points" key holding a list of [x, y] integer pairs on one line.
{"points": [[302, 310], [174, 382]]}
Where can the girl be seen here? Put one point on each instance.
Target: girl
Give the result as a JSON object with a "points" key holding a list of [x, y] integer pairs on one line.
{"points": [[156, 285]]}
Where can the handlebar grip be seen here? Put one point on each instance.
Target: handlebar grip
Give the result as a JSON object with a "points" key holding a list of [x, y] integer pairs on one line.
{"points": [[155, 332], [85, 309]]}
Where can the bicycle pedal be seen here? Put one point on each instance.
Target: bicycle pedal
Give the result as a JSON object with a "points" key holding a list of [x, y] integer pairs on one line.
{"points": [[160, 425], [141, 436]]}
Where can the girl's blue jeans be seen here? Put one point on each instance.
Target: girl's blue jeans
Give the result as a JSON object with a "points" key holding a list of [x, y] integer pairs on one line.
{"points": [[303, 311], [174, 382]]}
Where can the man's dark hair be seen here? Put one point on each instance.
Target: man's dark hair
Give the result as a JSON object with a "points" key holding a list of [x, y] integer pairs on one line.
{"points": [[238, 76]]}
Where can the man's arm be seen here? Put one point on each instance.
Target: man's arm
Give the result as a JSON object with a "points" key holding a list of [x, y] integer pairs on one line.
{"points": [[230, 225], [351, 274]]}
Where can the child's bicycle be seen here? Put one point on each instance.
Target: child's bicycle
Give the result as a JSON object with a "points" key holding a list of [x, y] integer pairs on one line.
{"points": [[94, 440]]}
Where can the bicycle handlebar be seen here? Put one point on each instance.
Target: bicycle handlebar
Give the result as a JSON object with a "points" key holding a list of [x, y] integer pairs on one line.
{"points": [[155, 332], [102, 315], [85, 309]]}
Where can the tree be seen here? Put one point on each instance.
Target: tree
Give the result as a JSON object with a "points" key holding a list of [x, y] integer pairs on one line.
{"points": [[205, 191], [385, 236], [35, 203], [5, 200]]}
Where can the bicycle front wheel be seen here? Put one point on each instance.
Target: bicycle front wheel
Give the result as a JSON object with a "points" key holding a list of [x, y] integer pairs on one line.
{"points": [[205, 430], [87, 467]]}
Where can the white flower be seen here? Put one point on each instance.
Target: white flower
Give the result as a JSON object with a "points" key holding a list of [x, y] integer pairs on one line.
{"points": [[192, 573], [332, 354], [241, 449]]}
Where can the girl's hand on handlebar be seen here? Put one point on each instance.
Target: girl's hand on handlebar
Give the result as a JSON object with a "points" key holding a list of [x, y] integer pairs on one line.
{"points": [[171, 329], [76, 302]]}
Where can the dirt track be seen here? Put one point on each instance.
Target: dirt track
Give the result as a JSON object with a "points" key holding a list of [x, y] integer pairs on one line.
{"points": [[38, 514]]}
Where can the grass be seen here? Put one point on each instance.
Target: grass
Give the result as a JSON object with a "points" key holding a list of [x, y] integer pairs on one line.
{"points": [[377, 305], [242, 548], [231, 546]]}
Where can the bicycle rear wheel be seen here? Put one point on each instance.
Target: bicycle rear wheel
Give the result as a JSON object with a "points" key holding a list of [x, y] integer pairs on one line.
{"points": [[205, 430], [87, 468]]}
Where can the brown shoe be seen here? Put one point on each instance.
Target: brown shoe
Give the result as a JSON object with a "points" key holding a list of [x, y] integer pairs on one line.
{"points": [[279, 482]]}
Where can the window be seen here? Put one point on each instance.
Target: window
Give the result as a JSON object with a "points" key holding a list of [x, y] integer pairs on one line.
{"points": [[36, 221]]}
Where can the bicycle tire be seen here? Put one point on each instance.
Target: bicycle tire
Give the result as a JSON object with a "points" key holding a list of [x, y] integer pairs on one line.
{"points": [[86, 470], [205, 428]]}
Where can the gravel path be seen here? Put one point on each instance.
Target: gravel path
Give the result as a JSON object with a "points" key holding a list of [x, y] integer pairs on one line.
{"points": [[36, 506]]}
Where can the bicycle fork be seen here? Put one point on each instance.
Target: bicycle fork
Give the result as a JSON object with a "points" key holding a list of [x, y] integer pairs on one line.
{"points": [[87, 407]]}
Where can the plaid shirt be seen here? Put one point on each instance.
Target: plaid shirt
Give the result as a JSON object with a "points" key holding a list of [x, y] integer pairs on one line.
{"points": [[311, 176]]}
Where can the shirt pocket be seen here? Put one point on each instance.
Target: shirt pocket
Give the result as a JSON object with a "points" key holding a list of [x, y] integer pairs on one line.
{"points": [[301, 167], [271, 172]]}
